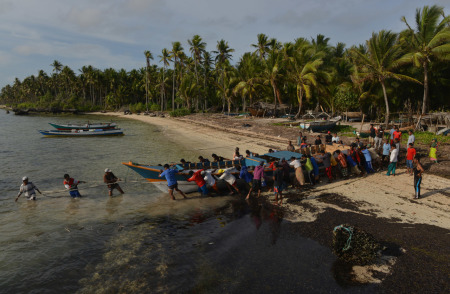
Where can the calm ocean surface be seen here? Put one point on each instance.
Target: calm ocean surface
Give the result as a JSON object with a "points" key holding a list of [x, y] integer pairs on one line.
{"points": [[139, 242]]}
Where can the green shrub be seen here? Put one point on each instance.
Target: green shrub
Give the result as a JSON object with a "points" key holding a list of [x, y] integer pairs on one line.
{"points": [[180, 112]]}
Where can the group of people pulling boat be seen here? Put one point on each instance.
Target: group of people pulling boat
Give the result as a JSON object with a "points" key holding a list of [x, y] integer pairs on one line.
{"points": [[70, 184], [295, 166], [83, 130]]}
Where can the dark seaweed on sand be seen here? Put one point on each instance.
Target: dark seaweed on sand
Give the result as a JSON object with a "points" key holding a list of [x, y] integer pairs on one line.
{"points": [[362, 248]]}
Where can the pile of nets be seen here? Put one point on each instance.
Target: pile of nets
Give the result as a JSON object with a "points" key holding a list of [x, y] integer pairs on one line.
{"points": [[353, 245]]}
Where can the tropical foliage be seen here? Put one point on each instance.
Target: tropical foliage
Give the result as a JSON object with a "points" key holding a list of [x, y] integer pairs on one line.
{"points": [[378, 77]]}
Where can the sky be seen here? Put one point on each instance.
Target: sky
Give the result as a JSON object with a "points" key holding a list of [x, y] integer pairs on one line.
{"points": [[115, 33]]}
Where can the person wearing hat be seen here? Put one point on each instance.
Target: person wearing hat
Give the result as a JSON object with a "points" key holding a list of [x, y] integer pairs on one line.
{"points": [[110, 179], [72, 185], [28, 188], [229, 179], [329, 139]]}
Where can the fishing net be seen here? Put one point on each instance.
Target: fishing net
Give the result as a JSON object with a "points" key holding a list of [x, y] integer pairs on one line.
{"points": [[353, 245]]}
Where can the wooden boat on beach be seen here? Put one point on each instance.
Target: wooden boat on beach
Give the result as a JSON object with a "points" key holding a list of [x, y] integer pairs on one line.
{"points": [[318, 124], [151, 172], [82, 133], [88, 126]]}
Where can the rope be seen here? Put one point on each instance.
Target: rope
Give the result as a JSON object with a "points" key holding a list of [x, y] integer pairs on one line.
{"points": [[350, 234]]}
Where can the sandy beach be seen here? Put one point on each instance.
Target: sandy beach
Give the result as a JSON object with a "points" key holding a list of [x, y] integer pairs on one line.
{"points": [[382, 205]]}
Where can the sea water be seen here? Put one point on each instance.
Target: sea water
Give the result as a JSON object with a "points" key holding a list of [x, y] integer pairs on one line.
{"points": [[139, 242]]}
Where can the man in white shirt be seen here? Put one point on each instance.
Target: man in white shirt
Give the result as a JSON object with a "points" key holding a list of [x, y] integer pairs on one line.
{"points": [[229, 179], [210, 181], [28, 188], [393, 161]]}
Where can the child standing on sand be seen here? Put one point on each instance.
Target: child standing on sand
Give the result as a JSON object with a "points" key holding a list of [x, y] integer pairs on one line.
{"points": [[418, 171], [433, 150]]}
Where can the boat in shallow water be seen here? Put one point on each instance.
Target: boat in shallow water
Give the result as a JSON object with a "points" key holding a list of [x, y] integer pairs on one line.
{"points": [[88, 126], [151, 172], [82, 133]]}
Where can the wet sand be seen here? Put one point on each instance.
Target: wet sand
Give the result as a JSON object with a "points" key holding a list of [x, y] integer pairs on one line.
{"points": [[415, 232]]}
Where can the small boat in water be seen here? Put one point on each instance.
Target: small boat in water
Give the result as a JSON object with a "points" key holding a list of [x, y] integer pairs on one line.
{"points": [[82, 133], [88, 126]]}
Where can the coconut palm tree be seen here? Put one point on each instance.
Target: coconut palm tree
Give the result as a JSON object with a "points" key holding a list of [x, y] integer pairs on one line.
{"points": [[262, 47], [165, 59], [305, 70], [378, 65], [223, 56], [175, 55], [148, 56], [197, 48], [429, 40]]}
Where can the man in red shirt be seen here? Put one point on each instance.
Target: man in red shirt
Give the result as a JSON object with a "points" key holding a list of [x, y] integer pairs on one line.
{"points": [[199, 180], [410, 155]]}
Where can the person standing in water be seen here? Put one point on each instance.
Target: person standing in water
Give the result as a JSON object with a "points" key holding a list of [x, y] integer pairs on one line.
{"points": [[172, 183], [418, 171], [28, 188], [110, 179], [72, 185]]}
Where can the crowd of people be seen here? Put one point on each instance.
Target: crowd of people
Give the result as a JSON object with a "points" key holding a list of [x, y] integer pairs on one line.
{"points": [[357, 159]]}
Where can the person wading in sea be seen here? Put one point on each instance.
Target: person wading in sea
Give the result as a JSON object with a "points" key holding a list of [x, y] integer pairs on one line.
{"points": [[172, 183], [72, 185], [110, 179], [28, 188]]}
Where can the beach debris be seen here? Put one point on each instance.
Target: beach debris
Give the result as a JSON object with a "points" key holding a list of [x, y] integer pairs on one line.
{"points": [[353, 245]]}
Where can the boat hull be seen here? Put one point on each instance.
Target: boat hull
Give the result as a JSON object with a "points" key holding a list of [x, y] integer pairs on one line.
{"points": [[103, 126], [81, 133]]}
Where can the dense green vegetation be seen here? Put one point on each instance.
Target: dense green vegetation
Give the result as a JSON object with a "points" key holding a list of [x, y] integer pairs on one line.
{"points": [[409, 70]]}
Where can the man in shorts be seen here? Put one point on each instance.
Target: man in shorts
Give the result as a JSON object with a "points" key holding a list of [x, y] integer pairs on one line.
{"points": [[110, 179], [410, 154], [258, 176], [172, 183], [27, 188], [199, 180], [72, 185]]}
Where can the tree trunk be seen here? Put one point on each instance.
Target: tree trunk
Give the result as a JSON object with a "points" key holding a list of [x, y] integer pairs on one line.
{"points": [[386, 120], [173, 87], [274, 87], [300, 102], [425, 87]]}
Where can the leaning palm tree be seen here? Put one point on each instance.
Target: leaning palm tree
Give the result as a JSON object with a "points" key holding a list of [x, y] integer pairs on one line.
{"points": [[305, 66], [429, 40], [176, 54], [148, 56], [380, 61]]}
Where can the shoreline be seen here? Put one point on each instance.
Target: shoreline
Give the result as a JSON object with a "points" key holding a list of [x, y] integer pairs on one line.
{"points": [[376, 195], [414, 233]]}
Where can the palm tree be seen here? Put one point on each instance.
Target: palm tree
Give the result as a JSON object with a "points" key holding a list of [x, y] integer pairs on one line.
{"points": [[197, 49], [378, 65], [223, 56], [176, 54], [430, 40], [165, 59], [305, 70], [248, 69], [262, 47], [148, 56]]}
